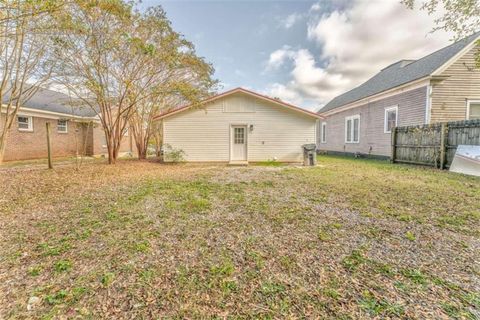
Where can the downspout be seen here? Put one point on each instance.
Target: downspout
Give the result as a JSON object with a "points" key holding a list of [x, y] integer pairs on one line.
{"points": [[428, 105]]}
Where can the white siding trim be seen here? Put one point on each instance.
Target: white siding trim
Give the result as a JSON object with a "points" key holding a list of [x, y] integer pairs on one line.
{"points": [[385, 118], [323, 133], [428, 104], [467, 116], [48, 114]]}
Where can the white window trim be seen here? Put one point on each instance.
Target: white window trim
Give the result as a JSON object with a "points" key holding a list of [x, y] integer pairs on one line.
{"points": [[385, 119], [469, 101], [30, 123], [66, 126], [357, 116], [323, 133]]}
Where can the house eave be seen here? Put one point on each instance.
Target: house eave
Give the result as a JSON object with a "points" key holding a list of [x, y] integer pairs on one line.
{"points": [[251, 93], [51, 114], [425, 81]]}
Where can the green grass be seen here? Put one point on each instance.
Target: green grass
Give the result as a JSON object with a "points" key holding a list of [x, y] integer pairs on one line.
{"points": [[270, 163], [348, 239]]}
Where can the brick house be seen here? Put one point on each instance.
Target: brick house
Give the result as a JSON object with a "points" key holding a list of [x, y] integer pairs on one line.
{"points": [[74, 130], [442, 86]]}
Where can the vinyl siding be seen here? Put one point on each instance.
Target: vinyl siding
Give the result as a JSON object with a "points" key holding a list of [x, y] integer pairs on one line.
{"points": [[449, 97], [373, 140], [204, 133]]}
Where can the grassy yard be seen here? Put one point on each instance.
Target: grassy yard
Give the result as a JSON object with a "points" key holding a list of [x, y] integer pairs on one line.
{"points": [[348, 239]]}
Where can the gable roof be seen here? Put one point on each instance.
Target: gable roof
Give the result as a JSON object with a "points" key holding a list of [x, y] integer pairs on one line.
{"points": [[401, 72], [242, 90], [57, 102]]}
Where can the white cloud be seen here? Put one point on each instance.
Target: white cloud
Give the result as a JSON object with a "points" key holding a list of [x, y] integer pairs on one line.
{"points": [[285, 93], [278, 57], [291, 20], [315, 7], [354, 44]]}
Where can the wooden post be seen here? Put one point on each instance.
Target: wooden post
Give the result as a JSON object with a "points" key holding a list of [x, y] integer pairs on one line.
{"points": [[394, 144], [443, 145], [48, 147]]}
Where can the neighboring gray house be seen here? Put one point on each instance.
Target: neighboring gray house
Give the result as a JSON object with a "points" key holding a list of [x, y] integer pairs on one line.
{"points": [[443, 86]]}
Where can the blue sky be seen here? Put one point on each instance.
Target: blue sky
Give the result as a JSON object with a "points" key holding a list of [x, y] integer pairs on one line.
{"points": [[304, 52]]}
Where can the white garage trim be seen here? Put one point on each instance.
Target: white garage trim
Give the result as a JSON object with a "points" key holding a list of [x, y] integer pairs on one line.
{"points": [[236, 90]]}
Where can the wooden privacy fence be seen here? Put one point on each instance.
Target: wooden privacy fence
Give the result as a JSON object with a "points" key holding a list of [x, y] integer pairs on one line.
{"points": [[435, 144]]}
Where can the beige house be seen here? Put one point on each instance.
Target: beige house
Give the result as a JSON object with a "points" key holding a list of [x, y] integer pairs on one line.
{"points": [[239, 126], [442, 86]]}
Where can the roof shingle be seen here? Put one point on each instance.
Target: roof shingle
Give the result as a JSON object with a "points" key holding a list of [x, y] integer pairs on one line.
{"points": [[400, 73], [54, 101]]}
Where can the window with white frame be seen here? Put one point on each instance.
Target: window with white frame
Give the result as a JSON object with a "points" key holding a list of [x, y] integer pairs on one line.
{"points": [[323, 136], [391, 116], [473, 109], [239, 135], [352, 129], [25, 123], [62, 126]]}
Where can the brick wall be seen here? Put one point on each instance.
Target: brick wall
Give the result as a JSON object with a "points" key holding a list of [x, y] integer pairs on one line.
{"points": [[100, 146], [23, 145]]}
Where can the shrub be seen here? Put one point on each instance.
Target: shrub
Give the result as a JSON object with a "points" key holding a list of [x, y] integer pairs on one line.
{"points": [[172, 154]]}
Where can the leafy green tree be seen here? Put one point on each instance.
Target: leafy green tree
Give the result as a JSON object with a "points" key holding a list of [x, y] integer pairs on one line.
{"points": [[459, 16], [99, 64], [179, 75]]}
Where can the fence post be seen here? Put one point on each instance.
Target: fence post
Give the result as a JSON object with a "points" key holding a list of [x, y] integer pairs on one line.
{"points": [[443, 145], [48, 146], [394, 142]]}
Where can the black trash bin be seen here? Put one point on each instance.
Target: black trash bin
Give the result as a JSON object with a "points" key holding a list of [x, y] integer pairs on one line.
{"points": [[309, 154]]}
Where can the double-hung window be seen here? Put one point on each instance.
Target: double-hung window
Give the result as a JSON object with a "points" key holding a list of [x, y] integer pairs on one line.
{"points": [[391, 116], [323, 133], [352, 129], [62, 126], [473, 109], [25, 123]]}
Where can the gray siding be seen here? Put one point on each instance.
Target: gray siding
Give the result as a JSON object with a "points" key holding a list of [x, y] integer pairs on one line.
{"points": [[373, 140]]}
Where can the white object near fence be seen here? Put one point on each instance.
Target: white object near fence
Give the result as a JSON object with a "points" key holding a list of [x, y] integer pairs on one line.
{"points": [[466, 160]]}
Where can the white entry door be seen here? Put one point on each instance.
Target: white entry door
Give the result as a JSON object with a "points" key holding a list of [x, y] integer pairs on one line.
{"points": [[238, 143]]}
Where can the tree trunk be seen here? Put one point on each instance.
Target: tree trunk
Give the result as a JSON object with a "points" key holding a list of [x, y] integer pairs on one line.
{"points": [[3, 145], [110, 148], [141, 149]]}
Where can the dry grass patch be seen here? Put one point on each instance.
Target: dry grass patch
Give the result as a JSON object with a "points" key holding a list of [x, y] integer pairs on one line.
{"points": [[349, 239]]}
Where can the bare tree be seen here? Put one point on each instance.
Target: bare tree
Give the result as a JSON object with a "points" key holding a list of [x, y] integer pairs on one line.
{"points": [[25, 31]]}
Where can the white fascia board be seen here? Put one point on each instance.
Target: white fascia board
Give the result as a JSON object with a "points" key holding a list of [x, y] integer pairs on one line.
{"points": [[50, 114]]}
